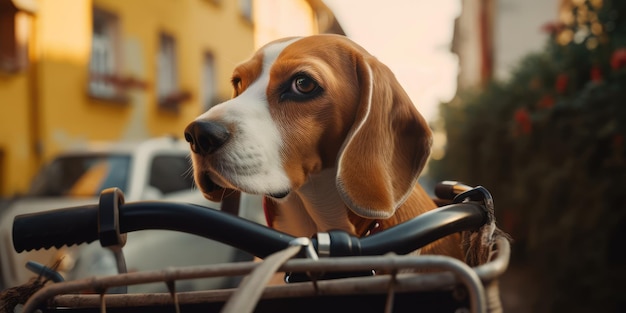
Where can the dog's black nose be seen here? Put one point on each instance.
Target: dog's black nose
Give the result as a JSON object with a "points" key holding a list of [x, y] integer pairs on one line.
{"points": [[206, 136]]}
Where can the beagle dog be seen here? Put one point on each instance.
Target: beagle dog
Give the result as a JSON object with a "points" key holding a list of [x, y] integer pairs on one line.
{"points": [[326, 133]]}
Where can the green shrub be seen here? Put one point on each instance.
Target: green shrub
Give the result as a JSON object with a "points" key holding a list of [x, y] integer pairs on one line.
{"points": [[550, 145]]}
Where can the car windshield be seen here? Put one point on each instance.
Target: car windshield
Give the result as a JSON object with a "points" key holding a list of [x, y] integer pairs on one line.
{"points": [[81, 175]]}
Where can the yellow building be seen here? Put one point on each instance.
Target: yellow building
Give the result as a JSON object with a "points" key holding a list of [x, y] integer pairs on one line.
{"points": [[77, 71]]}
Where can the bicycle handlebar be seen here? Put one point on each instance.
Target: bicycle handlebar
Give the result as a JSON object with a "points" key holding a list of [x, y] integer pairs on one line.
{"points": [[83, 224]]}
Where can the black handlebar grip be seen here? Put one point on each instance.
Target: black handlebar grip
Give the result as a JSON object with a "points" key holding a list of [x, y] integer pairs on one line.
{"points": [[57, 228]]}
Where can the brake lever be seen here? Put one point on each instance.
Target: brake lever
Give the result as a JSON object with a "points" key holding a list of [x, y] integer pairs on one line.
{"points": [[478, 194]]}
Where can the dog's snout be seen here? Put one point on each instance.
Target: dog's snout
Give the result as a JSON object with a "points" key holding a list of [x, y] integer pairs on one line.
{"points": [[206, 136]]}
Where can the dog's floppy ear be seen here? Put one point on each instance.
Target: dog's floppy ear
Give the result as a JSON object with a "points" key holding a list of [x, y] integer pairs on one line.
{"points": [[386, 148]]}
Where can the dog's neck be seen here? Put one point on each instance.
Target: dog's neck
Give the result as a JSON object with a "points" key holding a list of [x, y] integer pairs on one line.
{"points": [[317, 204]]}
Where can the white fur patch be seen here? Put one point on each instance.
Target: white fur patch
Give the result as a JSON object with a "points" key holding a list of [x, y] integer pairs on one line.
{"points": [[251, 160]]}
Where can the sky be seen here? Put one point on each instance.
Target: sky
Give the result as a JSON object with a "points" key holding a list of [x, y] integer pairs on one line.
{"points": [[412, 37]]}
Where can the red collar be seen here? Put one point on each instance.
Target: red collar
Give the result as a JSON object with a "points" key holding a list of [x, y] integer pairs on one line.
{"points": [[270, 213]]}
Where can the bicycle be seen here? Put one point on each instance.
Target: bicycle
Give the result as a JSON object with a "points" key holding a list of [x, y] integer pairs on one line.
{"points": [[366, 274]]}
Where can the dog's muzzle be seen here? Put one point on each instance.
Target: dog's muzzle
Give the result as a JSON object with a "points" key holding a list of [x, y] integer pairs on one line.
{"points": [[205, 139]]}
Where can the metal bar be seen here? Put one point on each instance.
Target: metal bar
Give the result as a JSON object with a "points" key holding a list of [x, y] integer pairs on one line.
{"points": [[496, 267], [346, 286], [458, 269], [406, 282]]}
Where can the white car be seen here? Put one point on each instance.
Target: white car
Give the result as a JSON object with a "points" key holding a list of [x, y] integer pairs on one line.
{"points": [[156, 169]]}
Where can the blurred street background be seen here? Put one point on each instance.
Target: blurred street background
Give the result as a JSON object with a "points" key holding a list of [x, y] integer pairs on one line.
{"points": [[526, 98]]}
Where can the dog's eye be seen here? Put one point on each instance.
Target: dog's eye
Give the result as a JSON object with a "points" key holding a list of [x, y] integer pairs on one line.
{"points": [[300, 87], [303, 85]]}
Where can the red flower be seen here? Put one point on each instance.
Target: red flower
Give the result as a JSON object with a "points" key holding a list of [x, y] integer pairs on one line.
{"points": [[618, 59], [546, 102], [618, 141], [522, 118], [561, 83], [552, 27], [595, 74]]}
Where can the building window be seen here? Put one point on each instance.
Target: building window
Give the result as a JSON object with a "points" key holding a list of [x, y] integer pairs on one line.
{"points": [[166, 61], [168, 92], [208, 88], [105, 64], [15, 29], [245, 7]]}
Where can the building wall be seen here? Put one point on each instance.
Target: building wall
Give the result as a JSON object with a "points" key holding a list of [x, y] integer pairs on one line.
{"points": [[467, 45], [17, 158], [514, 30], [46, 107], [15, 164], [517, 31], [197, 26], [276, 19]]}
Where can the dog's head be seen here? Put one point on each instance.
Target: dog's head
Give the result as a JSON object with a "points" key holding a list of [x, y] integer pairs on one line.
{"points": [[302, 105]]}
